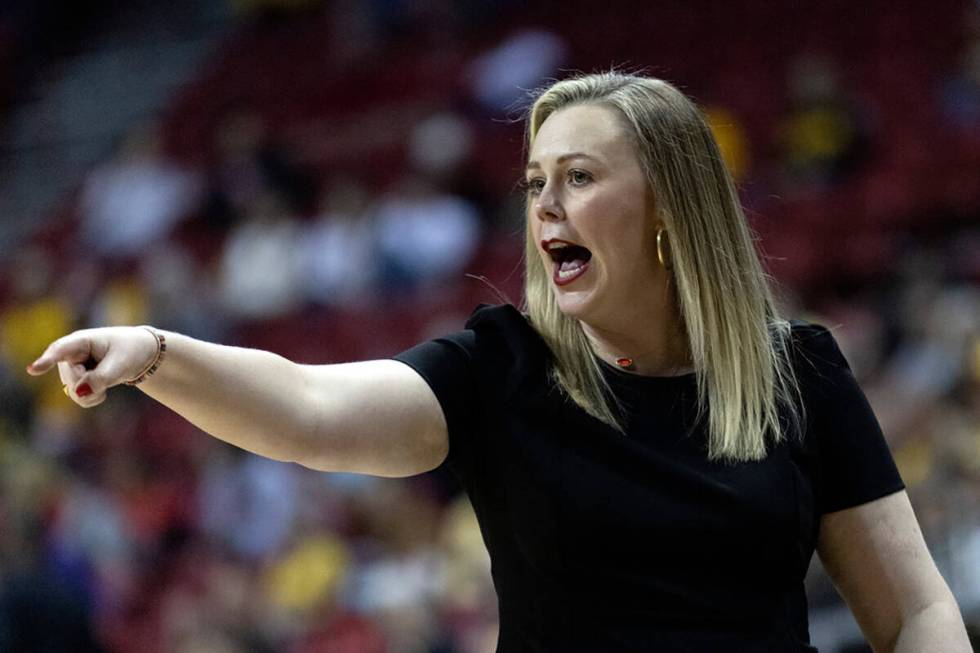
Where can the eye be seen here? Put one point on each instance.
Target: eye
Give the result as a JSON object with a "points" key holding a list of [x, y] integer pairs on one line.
{"points": [[534, 185], [579, 177]]}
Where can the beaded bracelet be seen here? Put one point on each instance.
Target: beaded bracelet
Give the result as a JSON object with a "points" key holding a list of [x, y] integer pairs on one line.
{"points": [[157, 359]]}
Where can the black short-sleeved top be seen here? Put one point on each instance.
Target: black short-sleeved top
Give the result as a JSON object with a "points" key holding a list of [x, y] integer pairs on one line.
{"points": [[601, 541]]}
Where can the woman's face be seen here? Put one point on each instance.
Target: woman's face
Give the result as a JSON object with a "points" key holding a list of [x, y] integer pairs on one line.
{"points": [[590, 213]]}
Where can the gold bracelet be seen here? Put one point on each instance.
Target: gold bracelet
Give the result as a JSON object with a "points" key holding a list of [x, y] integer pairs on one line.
{"points": [[157, 359]]}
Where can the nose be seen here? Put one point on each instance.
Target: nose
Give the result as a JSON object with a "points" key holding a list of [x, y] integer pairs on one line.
{"points": [[547, 208]]}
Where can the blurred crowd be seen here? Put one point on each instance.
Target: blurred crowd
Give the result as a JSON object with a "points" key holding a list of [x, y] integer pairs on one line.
{"points": [[351, 211]]}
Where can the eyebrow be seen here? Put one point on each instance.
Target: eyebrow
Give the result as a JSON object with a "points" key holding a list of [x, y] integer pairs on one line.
{"points": [[563, 158]]}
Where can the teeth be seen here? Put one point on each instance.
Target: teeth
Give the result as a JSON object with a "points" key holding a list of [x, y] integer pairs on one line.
{"points": [[567, 273], [557, 245]]}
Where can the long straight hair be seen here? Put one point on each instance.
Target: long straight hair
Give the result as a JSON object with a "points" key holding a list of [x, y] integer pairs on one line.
{"points": [[740, 346]]}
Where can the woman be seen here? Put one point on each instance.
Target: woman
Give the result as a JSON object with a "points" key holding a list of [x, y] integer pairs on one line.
{"points": [[620, 512]]}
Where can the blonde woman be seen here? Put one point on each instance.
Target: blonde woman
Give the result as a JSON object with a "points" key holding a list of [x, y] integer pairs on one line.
{"points": [[653, 453]]}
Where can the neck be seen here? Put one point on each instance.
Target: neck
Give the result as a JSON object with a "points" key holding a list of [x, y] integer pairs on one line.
{"points": [[657, 347]]}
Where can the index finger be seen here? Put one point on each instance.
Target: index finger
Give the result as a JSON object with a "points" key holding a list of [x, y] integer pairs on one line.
{"points": [[73, 348]]}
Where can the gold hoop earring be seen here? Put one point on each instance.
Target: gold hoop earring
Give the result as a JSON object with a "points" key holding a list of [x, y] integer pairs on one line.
{"points": [[660, 251]]}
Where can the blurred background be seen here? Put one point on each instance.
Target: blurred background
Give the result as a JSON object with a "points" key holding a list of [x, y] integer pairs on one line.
{"points": [[332, 180]]}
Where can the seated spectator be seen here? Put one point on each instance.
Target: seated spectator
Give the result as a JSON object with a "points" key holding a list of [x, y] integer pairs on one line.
{"points": [[425, 236], [440, 145], [35, 312], [336, 249], [501, 76], [248, 163], [258, 276], [136, 198], [247, 504], [821, 138], [176, 297]]}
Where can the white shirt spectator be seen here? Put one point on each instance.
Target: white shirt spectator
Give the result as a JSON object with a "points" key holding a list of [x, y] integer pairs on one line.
{"points": [[135, 199], [259, 275], [337, 250], [425, 235]]}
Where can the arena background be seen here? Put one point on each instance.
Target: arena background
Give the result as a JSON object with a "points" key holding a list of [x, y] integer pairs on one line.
{"points": [[330, 180]]}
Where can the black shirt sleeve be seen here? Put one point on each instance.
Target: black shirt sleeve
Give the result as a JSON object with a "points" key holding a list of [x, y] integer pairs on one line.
{"points": [[855, 464], [497, 361], [447, 365]]}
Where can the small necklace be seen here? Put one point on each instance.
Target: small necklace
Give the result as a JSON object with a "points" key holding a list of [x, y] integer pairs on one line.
{"points": [[625, 363]]}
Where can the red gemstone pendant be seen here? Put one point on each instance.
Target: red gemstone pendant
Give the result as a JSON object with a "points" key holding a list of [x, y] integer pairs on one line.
{"points": [[625, 363]]}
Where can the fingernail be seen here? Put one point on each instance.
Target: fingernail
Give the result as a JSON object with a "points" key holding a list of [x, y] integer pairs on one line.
{"points": [[83, 390]]}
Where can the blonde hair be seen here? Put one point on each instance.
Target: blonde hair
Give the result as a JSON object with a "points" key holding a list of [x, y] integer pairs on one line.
{"points": [[738, 343]]}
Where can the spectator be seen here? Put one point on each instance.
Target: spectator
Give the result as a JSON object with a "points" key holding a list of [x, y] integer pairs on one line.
{"points": [[259, 270], [249, 164], [501, 76], [821, 138], [425, 236], [136, 198], [337, 249], [248, 504]]}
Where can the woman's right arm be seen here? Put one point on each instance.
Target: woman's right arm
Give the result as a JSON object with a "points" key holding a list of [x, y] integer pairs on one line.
{"points": [[374, 417]]}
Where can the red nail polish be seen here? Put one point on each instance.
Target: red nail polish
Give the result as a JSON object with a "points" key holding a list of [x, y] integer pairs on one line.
{"points": [[83, 390]]}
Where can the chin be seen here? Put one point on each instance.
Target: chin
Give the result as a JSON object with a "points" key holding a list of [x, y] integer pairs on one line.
{"points": [[579, 304]]}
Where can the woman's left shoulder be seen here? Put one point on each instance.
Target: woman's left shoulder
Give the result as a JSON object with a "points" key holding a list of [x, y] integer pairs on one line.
{"points": [[507, 328], [499, 316], [814, 348], [821, 369], [507, 348]]}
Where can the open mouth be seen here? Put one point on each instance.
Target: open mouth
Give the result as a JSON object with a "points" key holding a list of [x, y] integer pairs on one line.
{"points": [[571, 261]]}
